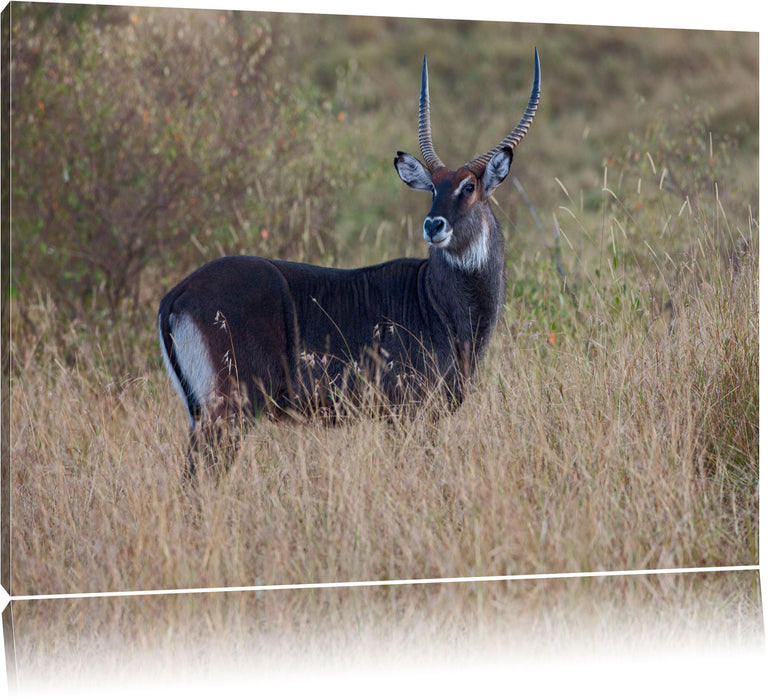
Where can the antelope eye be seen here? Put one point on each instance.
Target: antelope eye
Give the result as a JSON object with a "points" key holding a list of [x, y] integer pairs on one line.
{"points": [[469, 188]]}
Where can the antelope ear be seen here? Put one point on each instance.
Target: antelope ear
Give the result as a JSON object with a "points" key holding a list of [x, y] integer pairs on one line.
{"points": [[496, 170], [413, 172]]}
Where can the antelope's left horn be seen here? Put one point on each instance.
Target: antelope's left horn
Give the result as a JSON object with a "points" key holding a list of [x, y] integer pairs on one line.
{"points": [[477, 166]]}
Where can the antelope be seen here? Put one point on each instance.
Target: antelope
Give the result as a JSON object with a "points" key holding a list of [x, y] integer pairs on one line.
{"points": [[245, 335]]}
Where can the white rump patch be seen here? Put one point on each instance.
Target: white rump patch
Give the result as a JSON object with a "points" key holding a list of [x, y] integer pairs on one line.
{"points": [[193, 359]]}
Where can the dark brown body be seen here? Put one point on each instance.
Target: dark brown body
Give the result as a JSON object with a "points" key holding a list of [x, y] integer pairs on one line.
{"points": [[305, 333], [243, 335]]}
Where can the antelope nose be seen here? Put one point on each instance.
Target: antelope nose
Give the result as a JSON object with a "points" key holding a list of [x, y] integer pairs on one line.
{"points": [[434, 229]]}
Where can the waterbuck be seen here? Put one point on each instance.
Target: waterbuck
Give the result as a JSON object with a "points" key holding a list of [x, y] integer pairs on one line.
{"points": [[244, 335]]}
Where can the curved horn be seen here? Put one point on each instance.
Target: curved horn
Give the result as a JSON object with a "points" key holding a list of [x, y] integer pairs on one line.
{"points": [[477, 166], [433, 161]]}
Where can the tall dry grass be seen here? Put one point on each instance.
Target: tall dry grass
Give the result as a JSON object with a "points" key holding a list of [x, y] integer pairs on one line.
{"points": [[626, 441], [613, 424]]}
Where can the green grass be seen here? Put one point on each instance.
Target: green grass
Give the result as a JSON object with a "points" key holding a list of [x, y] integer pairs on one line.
{"points": [[615, 419]]}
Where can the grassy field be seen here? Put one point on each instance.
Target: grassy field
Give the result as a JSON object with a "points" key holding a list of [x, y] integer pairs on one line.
{"points": [[614, 423], [623, 445]]}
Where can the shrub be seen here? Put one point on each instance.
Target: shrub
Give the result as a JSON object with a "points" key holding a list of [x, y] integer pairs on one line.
{"points": [[148, 141]]}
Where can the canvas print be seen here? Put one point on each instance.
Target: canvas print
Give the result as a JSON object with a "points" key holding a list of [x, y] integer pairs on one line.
{"points": [[304, 299]]}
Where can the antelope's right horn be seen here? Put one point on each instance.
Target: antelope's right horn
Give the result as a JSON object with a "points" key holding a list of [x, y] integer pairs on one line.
{"points": [[433, 161]]}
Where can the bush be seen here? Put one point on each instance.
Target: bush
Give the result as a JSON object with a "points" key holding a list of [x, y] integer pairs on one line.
{"points": [[150, 141]]}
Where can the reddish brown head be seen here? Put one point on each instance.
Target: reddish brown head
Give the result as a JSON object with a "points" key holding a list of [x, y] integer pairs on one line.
{"points": [[460, 217]]}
